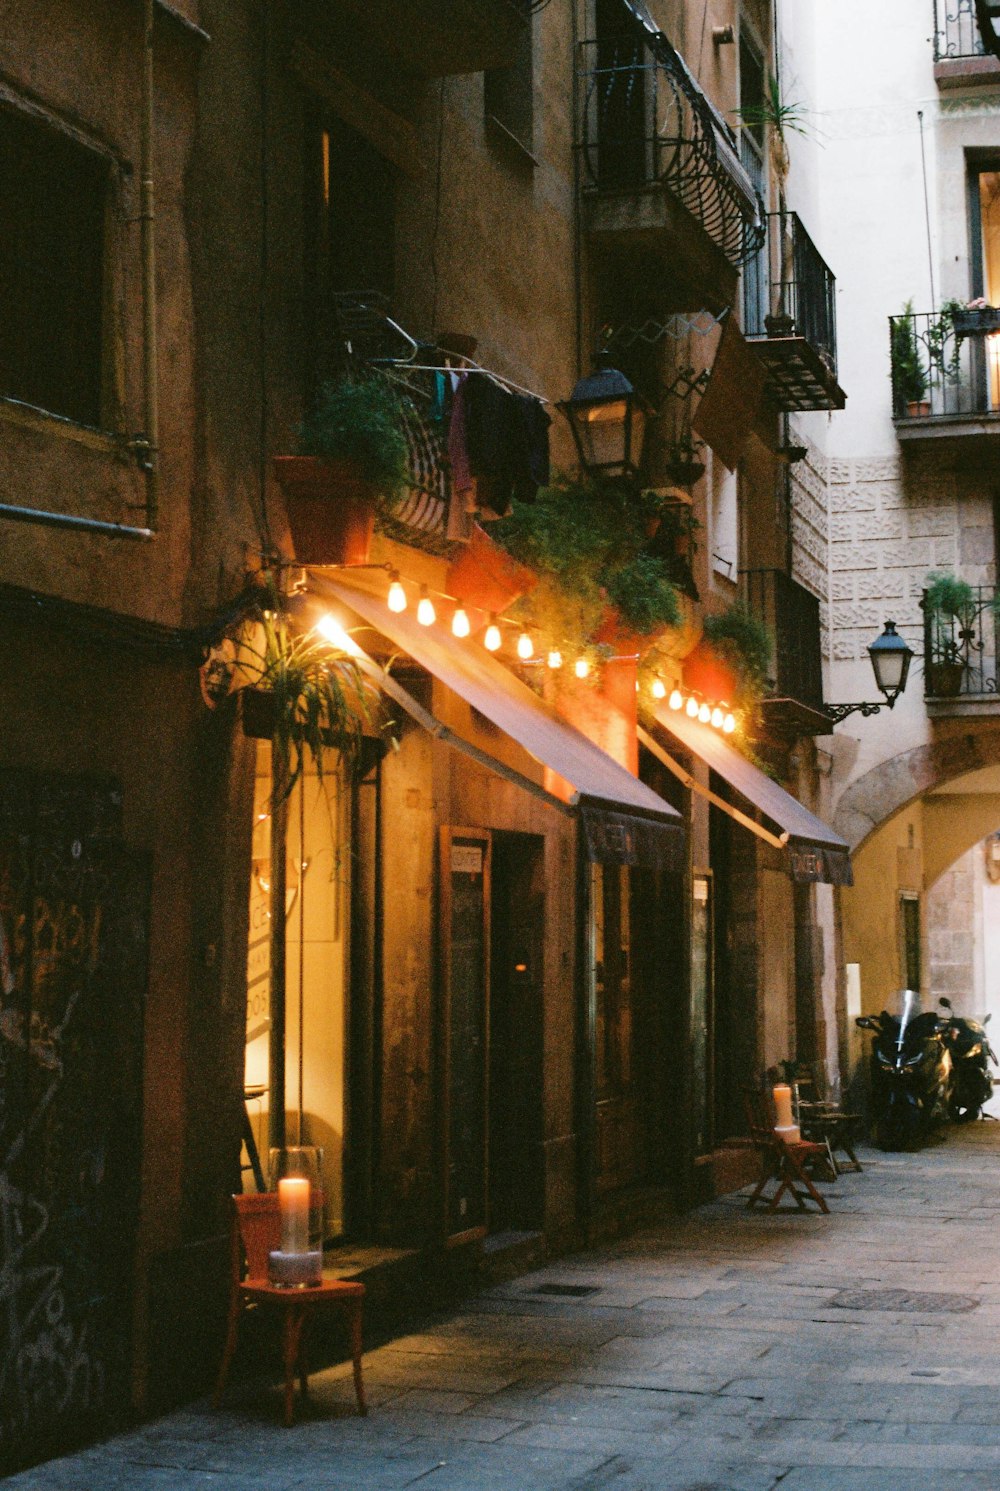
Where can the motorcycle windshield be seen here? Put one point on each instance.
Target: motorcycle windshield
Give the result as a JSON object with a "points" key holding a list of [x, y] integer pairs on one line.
{"points": [[910, 1004]]}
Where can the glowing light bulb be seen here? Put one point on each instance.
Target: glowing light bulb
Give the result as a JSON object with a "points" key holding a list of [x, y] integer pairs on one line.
{"points": [[704, 714], [717, 717], [555, 658], [729, 724], [331, 629], [492, 639], [396, 599], [659, 690], [581, 667], [676, 699], [692, 707], [426, 613], [460, 623], [525, 647]]}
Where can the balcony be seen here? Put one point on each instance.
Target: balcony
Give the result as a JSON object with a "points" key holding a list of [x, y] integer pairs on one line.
{"points": [[435, 38], [946, 377], [794, 703], [960, 59], [659, 166], [961, 657], [790, 311]]}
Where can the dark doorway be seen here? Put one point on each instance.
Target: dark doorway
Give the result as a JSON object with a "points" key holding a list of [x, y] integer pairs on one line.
{"points": [[516, 1200]]}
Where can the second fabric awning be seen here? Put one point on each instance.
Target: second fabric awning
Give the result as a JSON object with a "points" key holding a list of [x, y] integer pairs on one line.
{"points": [[815, 852]]}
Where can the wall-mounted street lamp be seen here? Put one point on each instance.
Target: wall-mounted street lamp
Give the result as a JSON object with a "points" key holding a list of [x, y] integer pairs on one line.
{"points": [[608, 420], [891, 659], [988, 17]]}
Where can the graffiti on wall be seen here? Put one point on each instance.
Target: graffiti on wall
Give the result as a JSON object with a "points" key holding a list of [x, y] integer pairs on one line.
{"points": [[72, 972]]}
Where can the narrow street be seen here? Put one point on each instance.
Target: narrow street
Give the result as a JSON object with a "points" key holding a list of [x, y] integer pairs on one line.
{"points": [[855, 1352]]}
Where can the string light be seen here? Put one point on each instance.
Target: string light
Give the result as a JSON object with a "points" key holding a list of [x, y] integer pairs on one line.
{"points": [[581, 667], [426, 613], [396, 599], [729, 724], [717, 717], [460, 623], [676, 699], [525, 647], [492, 639], [555, 659], [692, 707], [704, 714], [659, 689]]}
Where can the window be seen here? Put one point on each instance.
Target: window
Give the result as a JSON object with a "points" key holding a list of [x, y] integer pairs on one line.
{"points": [[752, 93], [984, 213], [909, 933], [508, 93], [53, 193], [351, 241]]}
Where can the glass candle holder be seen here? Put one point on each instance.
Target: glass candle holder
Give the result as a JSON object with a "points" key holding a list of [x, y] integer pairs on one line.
{"points": [[296, 1175]]}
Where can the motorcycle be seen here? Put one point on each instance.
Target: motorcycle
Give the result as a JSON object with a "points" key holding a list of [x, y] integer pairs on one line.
{"points": [[971, 1054], [911, 1066]]}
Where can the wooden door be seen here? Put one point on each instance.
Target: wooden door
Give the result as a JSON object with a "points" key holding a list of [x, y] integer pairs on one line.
{"points": [[465, 1028]]}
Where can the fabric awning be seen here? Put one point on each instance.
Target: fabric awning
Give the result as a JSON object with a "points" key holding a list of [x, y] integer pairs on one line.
{"points": [[727, 409], [624, 821], [814, 852]]}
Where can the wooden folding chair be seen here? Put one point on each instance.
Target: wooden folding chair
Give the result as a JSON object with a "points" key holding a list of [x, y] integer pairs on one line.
{"points": [[780, 1161], [824, 1121], [256, 1233]]}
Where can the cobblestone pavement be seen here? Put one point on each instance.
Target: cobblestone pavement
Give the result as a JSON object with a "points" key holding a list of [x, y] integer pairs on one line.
{"points": [[855, 1352]]}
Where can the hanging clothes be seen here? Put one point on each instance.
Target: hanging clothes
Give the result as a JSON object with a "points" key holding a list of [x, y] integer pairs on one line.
{"points": [[507, 442]]}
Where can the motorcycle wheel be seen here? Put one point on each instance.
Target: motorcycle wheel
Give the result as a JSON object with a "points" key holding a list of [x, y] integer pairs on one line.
{"points": [[899, 1128], [958, 1113]]}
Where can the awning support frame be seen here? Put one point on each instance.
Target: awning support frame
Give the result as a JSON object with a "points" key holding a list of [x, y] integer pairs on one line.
{"points": [[776, 841]]}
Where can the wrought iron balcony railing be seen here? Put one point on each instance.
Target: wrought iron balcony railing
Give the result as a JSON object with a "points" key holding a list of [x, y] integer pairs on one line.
{"points": [[645, 122], [945, 366], [961, 651], [790, 312], [791, 614], [956, 31]]}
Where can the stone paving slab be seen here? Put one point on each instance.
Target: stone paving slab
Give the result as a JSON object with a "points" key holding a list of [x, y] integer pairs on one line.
{"points": [[710, 1356]]}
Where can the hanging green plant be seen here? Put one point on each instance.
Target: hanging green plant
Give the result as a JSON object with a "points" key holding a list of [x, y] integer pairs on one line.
{"points": [[317, 700], [588, 541], [359, 420]]}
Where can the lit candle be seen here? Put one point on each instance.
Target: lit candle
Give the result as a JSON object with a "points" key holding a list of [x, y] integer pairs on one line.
{"points": [[293, 1204], [783, 1106]]}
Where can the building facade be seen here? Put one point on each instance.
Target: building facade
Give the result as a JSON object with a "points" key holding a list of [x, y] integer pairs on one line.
{"points": [[534, 950]]}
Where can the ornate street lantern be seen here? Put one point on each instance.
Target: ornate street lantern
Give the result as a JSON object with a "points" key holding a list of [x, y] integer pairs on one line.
{"points": [[891, 659], [988, 17], [608, 420]]}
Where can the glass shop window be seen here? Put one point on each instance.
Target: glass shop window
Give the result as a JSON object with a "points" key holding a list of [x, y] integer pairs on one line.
{"points": [[53, 196]]}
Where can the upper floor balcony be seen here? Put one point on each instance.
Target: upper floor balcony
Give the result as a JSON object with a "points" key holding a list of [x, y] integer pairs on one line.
{"points": [[946, 374], [659, 166], [962, 653], [790, 310], [794, 701], [960, 58], [435, 38]]}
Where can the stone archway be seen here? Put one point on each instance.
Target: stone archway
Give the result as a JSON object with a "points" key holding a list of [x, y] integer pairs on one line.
{"points": [[885, 789]]}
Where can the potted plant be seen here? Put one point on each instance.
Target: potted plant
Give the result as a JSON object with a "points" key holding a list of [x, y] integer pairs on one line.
{"points": [[485, 575], [976, 318], [949, 605], [681, 464], [352, 460], [909, 378], [309, 697]]}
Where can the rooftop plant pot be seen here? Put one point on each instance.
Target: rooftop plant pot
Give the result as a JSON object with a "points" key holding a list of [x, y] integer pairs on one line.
{"points": [[976, 322], [944, 679], [486, 576], [330, 507], [918, 408], [684, 473]]}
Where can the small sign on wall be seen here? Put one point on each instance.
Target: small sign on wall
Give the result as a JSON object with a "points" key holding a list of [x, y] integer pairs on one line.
{"points": [[466, 859]]}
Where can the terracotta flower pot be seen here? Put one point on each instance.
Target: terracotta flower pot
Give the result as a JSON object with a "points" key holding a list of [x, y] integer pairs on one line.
{"points": [[706, 674], [944, 680], [615, 633], [485, 576], [918, 408], [330, 507]]}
